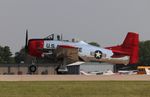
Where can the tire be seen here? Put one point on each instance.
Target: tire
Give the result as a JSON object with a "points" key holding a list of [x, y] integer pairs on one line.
{"points": [[32, 68]]}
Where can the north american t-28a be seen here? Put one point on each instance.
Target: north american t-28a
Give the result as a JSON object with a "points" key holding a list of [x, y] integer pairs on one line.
{"points": [[126, 53]]}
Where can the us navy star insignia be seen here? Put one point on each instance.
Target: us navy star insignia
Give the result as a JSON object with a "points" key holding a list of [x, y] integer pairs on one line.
{"points": [[98, 54]]}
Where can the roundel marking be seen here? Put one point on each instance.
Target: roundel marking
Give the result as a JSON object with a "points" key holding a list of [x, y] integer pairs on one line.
{"points": [[98, 54]]}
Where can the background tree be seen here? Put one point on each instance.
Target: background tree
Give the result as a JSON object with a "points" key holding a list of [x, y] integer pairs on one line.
{"points": [[94, 44], [19, 57], [23, 56], [5, 55], [144, 52], [1, 55]]}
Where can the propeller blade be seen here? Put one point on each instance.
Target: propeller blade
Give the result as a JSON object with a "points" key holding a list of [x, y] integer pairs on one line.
{"points": [[26, 41]]}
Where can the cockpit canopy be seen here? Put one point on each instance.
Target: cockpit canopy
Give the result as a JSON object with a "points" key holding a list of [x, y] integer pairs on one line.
{"points": [[52, 37], [59, 38]]}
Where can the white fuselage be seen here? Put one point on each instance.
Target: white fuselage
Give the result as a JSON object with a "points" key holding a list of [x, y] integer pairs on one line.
{"points": [[85, 49]]}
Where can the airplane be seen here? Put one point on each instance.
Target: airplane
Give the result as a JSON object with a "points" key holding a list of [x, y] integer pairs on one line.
{"points": [[126, 53]]}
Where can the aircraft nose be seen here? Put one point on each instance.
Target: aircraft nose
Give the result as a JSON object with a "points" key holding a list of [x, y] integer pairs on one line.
{"points": [[34, 47]]}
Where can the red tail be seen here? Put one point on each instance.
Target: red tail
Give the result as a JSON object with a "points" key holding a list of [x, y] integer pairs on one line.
{"points": [[130, 47]]}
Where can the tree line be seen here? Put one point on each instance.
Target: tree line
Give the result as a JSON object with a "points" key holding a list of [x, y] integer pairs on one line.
{"points": [[6, 55], [21, 56], [144, 52]]}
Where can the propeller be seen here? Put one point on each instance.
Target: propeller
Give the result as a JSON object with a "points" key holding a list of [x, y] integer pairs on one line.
{"points": [[26, 41]]}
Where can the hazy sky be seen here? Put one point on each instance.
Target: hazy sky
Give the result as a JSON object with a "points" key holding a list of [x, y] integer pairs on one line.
{"points": [[103, 21]]}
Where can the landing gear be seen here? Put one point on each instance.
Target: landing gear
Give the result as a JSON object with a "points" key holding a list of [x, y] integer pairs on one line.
{"points": [[61, 70], [32, 68]]}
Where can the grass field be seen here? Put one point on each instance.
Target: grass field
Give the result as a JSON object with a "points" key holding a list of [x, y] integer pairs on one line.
{"points": [[75, 89]]}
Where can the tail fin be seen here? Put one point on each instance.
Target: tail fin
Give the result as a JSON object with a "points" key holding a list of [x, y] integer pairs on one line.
{"points": [[131, 43], [131, 40], [130, 47]]}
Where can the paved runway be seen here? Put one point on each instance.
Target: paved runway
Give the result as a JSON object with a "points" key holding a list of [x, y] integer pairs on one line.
{"points": [[74, 78]]}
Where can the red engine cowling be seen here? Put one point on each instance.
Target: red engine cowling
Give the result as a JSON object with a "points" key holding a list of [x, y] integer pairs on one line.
{"points": [[34, 46]]}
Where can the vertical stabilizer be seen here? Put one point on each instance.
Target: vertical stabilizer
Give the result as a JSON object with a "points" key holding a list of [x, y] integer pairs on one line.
{"points": [[131, 44], [129, 47]]}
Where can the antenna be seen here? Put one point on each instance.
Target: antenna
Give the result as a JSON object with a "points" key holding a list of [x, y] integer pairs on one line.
{"points": [[61, 38]]}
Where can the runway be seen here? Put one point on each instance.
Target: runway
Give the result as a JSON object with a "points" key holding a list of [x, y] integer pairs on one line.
{"points": [[74, 78]]}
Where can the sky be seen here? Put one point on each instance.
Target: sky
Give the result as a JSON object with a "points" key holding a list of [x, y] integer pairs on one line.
{"points": [[103, 21]]}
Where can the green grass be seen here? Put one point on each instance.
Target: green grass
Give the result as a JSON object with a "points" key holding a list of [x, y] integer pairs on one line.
{"points": [[75, 89]]}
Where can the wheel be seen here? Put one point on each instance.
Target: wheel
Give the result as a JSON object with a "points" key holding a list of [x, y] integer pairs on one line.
{"points": [[32, 68]]}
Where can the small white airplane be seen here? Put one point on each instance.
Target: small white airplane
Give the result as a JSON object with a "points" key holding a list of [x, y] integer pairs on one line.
{"points": [[126, 53]]}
